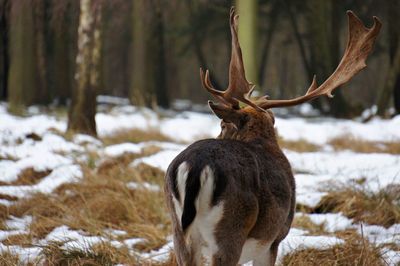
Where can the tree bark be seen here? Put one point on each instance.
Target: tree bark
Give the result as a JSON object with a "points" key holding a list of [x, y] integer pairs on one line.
{"points": [[148, 56], [4, 58], [248, 32], [64, 26], [22, 76], [39, 11], [392, 80], [272, 21], [305, 57], [322, 22], [83, 106]]}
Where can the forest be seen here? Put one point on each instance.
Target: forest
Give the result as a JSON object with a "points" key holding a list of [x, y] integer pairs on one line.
{"points": [[150, 51], [97, 98]]}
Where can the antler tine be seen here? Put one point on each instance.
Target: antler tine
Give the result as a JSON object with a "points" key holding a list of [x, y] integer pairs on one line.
{"points": [[359, 46], [239, 89]]}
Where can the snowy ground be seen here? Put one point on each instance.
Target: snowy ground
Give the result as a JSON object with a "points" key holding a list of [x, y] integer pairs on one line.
{"points": [[32, 142]]}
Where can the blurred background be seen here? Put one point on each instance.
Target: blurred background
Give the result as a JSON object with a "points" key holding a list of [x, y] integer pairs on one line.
{"points": [[150, 51]]}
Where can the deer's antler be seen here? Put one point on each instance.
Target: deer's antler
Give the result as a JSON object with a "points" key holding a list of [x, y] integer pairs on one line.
{"points": [[359, 45], [239, 89]]}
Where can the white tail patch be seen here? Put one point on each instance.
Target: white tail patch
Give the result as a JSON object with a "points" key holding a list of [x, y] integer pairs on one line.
{"points": [[181, 177], [207, 216]]}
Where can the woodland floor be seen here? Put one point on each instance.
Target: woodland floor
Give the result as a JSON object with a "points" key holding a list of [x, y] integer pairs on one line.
{"points": [[70, 199]]}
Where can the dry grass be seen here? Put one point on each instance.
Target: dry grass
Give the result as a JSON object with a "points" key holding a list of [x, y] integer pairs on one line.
{"points": [[101, 254], [8, 259], [57, 256], [304, 222], [298, 145], [358, 203], [102, 200], [20, 240], [30, 177], [364, 146], [355, 251], [135, 136]]}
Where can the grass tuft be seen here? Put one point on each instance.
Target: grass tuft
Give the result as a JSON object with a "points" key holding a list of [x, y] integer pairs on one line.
{"points": [[101, 201], [30, 177], [298, 145], [135, 136], [357, 202], [364, 146], [356, 251]]}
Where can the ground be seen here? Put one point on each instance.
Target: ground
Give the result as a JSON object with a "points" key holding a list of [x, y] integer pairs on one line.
{"points": [[71, 199]]}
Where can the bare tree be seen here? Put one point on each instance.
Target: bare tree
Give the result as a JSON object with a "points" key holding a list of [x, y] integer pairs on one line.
{"points": [[22, 76], [148, 80], [248, 32], [4, 58], [83, 106], [392, 82]]}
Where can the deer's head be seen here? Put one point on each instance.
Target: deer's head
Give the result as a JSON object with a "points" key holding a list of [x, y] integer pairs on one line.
{"points": [[256, 120]]}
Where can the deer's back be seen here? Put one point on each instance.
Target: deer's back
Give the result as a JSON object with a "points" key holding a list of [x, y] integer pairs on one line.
{"points": [[240, 170]]}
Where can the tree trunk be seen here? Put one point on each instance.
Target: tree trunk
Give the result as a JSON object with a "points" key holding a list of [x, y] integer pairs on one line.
{"points": [[322, 22], [392, 83], [64, 26], [396, 95], [392, 80], [39, 11], [248, 32], [148, 56], [272, 22], [306, 59], [4, 59], [83, 106], [22, 81]]}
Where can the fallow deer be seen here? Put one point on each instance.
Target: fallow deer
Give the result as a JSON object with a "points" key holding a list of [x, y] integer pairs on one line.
{"points": [[232, 199]]}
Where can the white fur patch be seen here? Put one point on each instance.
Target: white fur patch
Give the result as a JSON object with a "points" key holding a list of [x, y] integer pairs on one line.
{"points": [[207, 217], [256, 251], [181, 177]]}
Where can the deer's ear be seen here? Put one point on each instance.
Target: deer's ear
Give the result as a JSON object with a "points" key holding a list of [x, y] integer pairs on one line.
{"points": [[228, 114]]}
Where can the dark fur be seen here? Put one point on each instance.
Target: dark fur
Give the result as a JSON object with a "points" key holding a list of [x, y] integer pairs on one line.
{"points": [[253, 178], [263, 172]]}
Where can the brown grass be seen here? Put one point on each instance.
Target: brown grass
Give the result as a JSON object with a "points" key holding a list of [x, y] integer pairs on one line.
{"points": [[355, 251], [56, 256], [364, 146], [30, 177], [298, 145], [20, 240], [8, 259], [100, 201], [101, 254], [358, 203], [135, 136], [304, 222]]}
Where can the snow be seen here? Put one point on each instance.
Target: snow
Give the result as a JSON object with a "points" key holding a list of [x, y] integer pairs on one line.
{"points": [[296, 241], [189, 126], [143, 185], [10, 170], [315, 172], [332, 222], [120, 149], [321, 130], [159, 160], [73, 239], [60, 175], [159, 255]]}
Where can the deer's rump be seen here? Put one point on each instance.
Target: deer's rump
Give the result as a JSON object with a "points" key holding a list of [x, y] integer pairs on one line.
{"points": [[233, 168]]}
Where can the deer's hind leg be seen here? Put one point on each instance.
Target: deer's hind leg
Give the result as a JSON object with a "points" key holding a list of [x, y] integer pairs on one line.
{"points": [[233, 230]]}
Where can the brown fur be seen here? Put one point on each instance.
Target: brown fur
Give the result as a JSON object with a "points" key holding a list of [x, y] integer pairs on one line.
{"points": [[259, 197]]}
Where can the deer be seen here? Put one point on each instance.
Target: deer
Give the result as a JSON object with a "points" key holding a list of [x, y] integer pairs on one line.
{"points": [[232, 199]]}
